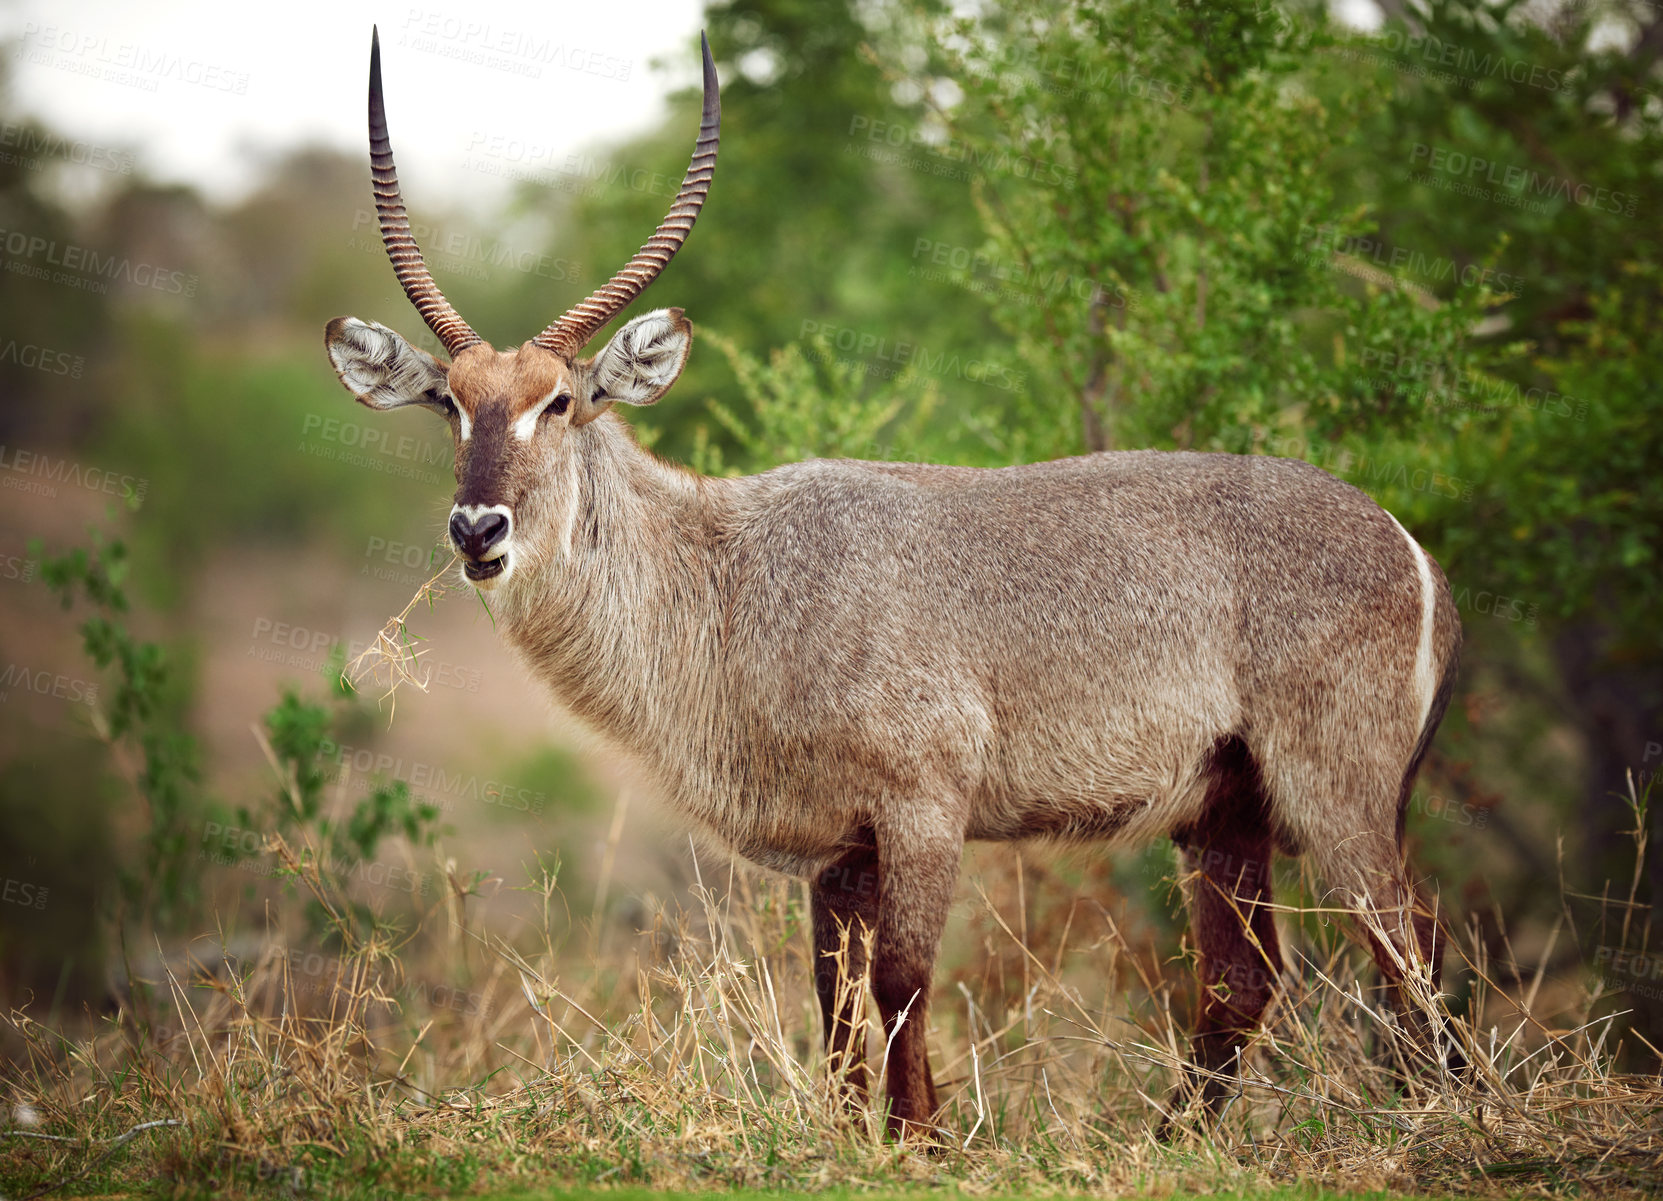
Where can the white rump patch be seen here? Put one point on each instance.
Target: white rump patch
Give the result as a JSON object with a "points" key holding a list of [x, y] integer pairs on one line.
{"points": [[1426, 683], [383, 370], [642, 360]]}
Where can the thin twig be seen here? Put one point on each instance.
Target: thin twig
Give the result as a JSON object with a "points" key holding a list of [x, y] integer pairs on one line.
{"points": [[116, 1144]]}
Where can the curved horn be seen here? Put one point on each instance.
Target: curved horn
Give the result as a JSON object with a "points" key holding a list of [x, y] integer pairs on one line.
{"points": [[395, 226], [568, 335]]}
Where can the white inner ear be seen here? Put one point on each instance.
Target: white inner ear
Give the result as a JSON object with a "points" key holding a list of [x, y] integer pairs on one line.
{"points": [[526, 424], [384, 370], [642, 360]]}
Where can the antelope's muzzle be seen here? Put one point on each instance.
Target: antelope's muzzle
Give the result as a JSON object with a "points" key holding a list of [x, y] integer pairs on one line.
{"points": [[479, 538]]}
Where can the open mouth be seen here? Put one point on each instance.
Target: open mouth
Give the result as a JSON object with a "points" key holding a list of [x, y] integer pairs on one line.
{"points": [[475, 569]]}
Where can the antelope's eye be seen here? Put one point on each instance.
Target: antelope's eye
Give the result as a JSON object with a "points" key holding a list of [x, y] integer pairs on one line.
{"points": [[560, 404]]}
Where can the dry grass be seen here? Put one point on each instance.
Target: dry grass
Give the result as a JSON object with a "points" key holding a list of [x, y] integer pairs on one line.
{"points": [[690, 1059], [430, 1051], [393, 657]]}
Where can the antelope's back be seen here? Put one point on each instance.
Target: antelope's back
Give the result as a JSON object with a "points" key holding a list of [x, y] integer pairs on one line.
{"points": [[1104, 618]]}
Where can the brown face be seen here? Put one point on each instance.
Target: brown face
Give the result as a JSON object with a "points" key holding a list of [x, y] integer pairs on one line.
{"points": [[510, 413], [506, 408]]}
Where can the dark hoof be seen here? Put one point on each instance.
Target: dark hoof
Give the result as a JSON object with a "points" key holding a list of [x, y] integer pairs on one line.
{"points": [[1193, 1105], [920, 1136]]}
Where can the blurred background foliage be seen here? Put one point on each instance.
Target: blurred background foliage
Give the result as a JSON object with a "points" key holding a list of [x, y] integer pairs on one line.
{"points": [[1425, 258]]}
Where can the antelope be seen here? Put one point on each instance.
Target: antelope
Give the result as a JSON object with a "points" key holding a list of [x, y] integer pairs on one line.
{"points": [[845, 670]]}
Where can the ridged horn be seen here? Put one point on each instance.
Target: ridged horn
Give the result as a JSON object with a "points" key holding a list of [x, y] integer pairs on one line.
{"points": [[572, 330], [395, 226]]}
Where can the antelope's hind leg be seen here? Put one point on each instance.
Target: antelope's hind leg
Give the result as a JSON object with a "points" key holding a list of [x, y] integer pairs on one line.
{"points": [[1350, 825], [1226, 861], [1370, 876]]}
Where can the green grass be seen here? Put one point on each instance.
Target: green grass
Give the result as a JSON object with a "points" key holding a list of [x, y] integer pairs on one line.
{"points": [[936, 1192]]}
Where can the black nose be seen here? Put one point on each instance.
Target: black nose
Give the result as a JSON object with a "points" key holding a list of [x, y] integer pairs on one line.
{"points": [[474, 537]]}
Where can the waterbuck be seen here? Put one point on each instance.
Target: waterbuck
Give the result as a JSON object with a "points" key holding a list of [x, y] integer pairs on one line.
{"points": [[843, 670]]}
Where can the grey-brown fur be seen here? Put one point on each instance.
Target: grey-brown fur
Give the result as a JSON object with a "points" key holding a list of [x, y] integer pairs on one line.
{"points": [[803, 654], [842, 663]]}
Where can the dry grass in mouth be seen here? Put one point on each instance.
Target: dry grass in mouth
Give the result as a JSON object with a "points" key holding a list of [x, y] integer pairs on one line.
{"points": [[393, 657]]}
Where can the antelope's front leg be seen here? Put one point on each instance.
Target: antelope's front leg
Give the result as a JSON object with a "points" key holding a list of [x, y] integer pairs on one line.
{"points": [[843, 902], [918, 865]]}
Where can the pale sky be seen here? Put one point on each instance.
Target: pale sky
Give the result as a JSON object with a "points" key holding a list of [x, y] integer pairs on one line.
{"points": [[203, 91]]}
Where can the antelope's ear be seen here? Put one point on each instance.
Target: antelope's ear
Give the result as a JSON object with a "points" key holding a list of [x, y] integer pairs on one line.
{"points": [[640, 363], [383, 370]]}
